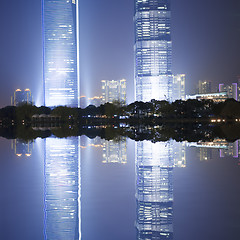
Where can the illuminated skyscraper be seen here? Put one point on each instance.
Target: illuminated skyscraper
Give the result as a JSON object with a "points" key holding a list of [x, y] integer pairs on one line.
{"points": [[60, 52], [62, 210], [153, 50], [154, 190]]}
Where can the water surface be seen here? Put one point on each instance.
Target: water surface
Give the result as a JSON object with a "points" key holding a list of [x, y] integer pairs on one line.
{"points": [[81, 188]]}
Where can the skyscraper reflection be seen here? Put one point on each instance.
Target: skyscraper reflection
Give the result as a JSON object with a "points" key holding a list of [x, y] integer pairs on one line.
{"points": [[62, 189], [115, 151], [154, 190]]}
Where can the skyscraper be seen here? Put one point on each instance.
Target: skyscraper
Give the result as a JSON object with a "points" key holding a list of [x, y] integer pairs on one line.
{"points": [[153, 50], [60, 52]]}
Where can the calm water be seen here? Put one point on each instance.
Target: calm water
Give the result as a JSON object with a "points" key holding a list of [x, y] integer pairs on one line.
{"points": [[92, 189]]}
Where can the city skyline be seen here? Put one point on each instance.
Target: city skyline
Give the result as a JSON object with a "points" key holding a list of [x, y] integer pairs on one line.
{"points": [[107, 39]]}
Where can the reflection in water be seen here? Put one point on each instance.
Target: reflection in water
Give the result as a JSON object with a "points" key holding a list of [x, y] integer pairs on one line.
{"points": [[179, 154], [21, 148], [154, 163], [62, 189], [154, 190], [207, 150], [115, 152]]}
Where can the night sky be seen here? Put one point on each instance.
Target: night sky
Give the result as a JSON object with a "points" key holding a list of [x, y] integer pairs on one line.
{"points": [[205, 34]]}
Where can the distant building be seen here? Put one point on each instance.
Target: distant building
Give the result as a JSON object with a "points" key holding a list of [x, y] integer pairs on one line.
{"points": [[21, 97], [179, 87], [231, 90], [115, 152], [216, 97], [114, 90], [204, 87]]}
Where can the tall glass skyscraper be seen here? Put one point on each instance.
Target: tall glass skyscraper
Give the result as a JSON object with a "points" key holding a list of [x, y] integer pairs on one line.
{"points": [[153, 50], [61, 52]]}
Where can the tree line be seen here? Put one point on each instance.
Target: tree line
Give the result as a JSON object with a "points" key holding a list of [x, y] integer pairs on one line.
{"points": [[158, 110]]}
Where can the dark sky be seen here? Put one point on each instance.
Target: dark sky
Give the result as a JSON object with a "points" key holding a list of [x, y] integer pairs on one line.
{"points": [[205, 34]]}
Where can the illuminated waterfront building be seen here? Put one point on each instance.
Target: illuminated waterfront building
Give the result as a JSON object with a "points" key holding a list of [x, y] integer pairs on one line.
{"points": [[179, 87], [115, 152], [60, 53], [216, 97], [62, 194], [114, 90], [153, 50], [231, 90], [154, 190], [21, 97]]}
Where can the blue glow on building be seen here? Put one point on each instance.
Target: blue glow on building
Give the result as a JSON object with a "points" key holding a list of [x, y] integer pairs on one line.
{"points": [[153, 50], [61, 52]]}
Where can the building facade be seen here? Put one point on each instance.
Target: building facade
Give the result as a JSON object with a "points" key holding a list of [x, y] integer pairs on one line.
{"points": [[114, 90], [153, 50], [60, 53]]}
